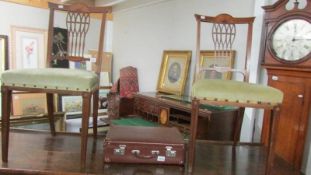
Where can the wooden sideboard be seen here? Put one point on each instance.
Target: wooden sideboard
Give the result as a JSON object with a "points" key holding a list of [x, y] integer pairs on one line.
{"points": [[214, 123]]}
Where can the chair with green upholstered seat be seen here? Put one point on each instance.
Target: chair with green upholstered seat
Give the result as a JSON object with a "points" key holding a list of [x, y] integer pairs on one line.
{"points": [[242, 94], [61, 80]]}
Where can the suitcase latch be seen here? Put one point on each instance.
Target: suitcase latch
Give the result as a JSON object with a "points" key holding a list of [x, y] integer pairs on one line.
{"points": [[169, 152], [119, 151]]}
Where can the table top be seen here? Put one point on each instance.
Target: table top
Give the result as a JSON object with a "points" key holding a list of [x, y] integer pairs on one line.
{"points": [[183, 100]]}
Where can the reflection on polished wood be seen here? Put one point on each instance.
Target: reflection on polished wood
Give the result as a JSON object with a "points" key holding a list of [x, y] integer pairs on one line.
{"points": [[40, 153]]}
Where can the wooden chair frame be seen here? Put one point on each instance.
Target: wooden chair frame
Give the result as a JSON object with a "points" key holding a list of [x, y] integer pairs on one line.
{"points": [[274, 108], [86, 95]]}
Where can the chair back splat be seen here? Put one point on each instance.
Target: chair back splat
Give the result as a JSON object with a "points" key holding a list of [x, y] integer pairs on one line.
{"points": [[226, 92], [65, 45]]}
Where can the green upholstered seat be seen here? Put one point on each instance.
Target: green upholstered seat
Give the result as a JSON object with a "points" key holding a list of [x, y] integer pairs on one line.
{"points": [[51, 78], [236, 91]]}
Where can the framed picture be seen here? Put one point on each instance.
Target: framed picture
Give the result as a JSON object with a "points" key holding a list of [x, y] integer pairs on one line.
{"points": [[29, 104], [28, 47], [209, 59], [174, 72], [71, 103], [4, 53]]}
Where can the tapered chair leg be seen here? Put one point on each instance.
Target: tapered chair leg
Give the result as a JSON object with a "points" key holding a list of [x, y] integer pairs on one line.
{"points": [[50, 106], [95, 112], [85, 122], [272, 135], [5, 123], [193, 131]]}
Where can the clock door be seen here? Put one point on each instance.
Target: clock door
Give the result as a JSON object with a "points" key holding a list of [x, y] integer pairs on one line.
{"points": [[289, 132]]}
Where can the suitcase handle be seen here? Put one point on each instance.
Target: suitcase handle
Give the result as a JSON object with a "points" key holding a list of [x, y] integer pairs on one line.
{"points": [[154, 154]]}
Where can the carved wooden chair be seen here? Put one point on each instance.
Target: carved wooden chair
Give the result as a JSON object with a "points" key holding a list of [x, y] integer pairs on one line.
{"points": [[60, 80], [224, 29]]}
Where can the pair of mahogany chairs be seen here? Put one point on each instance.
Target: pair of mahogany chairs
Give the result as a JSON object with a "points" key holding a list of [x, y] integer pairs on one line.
{"points": [[227, 32], [77, 22]]}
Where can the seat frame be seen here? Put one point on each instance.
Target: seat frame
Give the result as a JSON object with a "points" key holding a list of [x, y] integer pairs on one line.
{"points": [[274, 108], [86, 95]]}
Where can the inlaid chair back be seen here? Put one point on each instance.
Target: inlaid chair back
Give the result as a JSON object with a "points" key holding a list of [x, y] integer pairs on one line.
{"points": [[64, 45], [225, 30], [223, 34], [69, 43]]}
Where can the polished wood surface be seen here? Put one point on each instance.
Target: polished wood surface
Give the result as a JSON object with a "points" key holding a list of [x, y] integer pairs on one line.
{"points": [[42, 154]]}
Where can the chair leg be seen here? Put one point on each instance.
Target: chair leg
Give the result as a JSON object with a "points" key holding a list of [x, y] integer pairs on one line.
{"points": [[5, 124], [238, 126], [85, 122], [95, 112], [50, 106], [193, 134], [272, 135]]}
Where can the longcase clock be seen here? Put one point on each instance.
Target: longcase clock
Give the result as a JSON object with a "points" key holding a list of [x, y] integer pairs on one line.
{"points": [[286, 54]]}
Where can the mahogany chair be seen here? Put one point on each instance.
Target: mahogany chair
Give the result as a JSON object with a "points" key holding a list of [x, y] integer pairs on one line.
{"points": [[242, 94], [61, 80]]}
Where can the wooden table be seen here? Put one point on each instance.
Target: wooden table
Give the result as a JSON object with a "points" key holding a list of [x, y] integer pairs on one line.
{"points": [[216, 123]]}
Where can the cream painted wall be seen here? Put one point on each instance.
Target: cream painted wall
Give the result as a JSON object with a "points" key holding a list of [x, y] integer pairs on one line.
{"points": [[141, 34]]}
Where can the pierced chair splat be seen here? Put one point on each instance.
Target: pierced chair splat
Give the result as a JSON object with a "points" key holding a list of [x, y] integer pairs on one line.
{"points": [[56, 79], [226, 92]]}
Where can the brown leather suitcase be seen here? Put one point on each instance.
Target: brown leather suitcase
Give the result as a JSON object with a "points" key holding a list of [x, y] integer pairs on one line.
{"points": [[150, 145]]}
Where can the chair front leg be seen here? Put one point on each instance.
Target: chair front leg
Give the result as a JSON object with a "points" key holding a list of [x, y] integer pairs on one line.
{"points": [[193, 134], [5, 124], [85, 123], [95, 112], [50, 106], [272, 135]]}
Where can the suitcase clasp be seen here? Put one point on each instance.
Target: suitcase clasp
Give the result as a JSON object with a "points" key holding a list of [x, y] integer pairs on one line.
{"points": [[169, 152], [119, 151]]}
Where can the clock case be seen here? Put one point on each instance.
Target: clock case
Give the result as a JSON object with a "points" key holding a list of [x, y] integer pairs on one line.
{"points": [[275, 15]]}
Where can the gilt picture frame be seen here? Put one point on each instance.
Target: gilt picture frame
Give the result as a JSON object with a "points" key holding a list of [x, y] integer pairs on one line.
{"points": [[209, 59], [174, 71], [28, 47], [25, 104]]}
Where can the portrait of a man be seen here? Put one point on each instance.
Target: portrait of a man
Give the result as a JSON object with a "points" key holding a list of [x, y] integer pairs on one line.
{"points": [[174, 72]]}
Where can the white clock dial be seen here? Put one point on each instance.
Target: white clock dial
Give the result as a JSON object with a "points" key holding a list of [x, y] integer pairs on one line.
{"points": [[292, 40]]}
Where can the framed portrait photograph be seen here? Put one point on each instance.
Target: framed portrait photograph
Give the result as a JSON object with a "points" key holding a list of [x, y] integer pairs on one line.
{"points": [[29, 104], [28, 47], [174, 72], [210, 59]]}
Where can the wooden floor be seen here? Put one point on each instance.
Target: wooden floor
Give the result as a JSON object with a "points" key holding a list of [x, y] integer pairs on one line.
{"points": [[39, 153]]}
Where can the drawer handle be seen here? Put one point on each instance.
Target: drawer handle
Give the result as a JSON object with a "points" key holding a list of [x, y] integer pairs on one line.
{"points": [[300, 96]]}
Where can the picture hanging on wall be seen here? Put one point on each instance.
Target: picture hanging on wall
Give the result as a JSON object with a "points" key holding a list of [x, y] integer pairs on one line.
{"points": [[174, 72], [28, 47]]}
